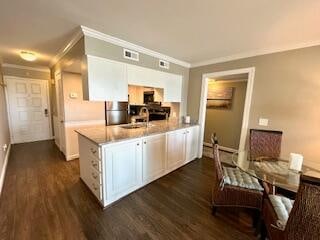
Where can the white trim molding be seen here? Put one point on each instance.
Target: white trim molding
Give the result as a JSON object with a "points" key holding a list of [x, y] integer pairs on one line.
{"points": [[75, 38], [255, 53], [38, 69], [122, 43], [4, 167], [247, 105], [72, 157]]}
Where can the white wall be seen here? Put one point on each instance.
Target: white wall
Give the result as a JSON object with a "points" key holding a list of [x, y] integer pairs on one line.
{"points": [[78, 113]]}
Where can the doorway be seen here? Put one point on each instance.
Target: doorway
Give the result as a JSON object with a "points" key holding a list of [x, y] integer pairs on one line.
{"points": [[225, 101], [28, 109]]}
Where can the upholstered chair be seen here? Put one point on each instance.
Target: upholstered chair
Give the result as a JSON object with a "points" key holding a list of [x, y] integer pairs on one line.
{"points": [[298, 219], [265, 144], [233, 187]]}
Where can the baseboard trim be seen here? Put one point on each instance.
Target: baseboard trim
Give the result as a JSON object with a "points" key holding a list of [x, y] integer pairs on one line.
{"points": [[4, 169], [72, 157], [227, 149]]}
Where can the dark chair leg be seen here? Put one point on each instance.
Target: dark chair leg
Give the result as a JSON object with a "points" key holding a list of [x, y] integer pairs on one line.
{"points": [[263, 234], [257, 222], [255, 218], [214, 210]]}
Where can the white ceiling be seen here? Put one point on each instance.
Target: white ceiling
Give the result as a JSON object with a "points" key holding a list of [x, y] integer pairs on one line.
{"points": [[189, 30]]}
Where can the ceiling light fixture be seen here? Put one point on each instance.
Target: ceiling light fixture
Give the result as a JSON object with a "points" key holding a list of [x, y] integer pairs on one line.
{"points": [[28, 56]]}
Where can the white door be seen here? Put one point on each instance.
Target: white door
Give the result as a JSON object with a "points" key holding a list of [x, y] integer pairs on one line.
{"points": [[123, 168], [154, 157], [28, 109], [192, 143], [176, 149]]}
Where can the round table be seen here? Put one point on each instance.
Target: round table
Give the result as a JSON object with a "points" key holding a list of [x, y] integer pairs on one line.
{"points": [[272, 171]]}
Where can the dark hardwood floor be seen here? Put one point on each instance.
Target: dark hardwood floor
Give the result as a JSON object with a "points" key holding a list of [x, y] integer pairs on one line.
{"points": [[43, 198]]}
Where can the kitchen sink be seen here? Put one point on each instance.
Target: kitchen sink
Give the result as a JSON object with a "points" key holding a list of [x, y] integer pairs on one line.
{"points": [[136, 125]]}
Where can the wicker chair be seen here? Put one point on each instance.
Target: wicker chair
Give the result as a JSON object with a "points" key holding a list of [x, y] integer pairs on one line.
{"points": [[265, 144], [226, 195], [303, 220]]}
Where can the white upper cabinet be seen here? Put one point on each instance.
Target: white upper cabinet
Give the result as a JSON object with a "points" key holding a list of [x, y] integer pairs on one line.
{"points": [[146, 77], [104, 79], [173, 88], [171, 83]]}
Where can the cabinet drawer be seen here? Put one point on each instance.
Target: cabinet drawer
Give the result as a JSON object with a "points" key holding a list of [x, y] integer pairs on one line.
{"points": [[96, 175], [96, 188], [96, 164], [94, 150]]}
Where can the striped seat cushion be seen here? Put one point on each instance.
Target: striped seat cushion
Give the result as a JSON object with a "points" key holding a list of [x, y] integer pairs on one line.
{"points": [[282, 206], [238, 178]]}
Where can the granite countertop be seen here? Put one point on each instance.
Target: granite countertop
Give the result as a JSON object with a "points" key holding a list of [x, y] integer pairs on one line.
{"points": [[110, 134]]}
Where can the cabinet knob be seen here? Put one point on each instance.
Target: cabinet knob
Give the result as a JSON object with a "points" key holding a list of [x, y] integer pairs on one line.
{"points": [[94, 164], [93, 151], [138, 144], [94, 187], [145, 142], [94, 176]]}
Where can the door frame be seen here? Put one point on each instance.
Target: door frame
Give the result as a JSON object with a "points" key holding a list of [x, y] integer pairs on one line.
{"points": [[247, 105], [7, 78], [58, 88]]}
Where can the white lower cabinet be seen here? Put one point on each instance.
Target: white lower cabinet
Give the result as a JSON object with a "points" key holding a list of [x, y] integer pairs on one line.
{"points": [[114, 170], [154, 157], [192, 143], [176, 149], [122, 169], [91, 167]]}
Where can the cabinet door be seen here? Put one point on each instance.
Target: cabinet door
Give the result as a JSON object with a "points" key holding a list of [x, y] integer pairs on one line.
{"points": [[176, 149], [141, 76], [192, 143], [104, 80], [154, 157], [173, 88], [123, 168]]}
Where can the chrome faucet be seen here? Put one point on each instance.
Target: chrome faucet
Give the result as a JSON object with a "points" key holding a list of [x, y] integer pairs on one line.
{"points": [[144, 113]]}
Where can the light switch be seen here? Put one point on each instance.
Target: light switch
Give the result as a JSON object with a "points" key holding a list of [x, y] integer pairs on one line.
{"points": [[73, 95], [263, 121]]}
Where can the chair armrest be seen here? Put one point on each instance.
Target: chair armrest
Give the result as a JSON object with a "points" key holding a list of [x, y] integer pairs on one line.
{"points": [[276, 228]]}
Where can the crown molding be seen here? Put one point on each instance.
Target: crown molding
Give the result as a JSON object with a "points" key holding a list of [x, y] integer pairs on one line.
{"points": [[119, 42], [75, 38], [39, 69], [255, 53]]}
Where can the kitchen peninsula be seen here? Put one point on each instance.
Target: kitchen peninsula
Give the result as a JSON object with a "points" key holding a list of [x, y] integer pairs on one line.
{"points": [[117, 160]]}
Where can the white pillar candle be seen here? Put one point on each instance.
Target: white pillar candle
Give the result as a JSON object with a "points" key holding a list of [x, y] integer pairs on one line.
{"points": [[295, 162], [187, 119]]}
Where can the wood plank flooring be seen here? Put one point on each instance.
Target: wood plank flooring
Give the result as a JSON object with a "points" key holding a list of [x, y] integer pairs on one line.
{"points": [[43, 198]]}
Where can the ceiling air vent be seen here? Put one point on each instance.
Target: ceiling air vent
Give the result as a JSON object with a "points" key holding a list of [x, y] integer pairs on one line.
{"points": [[129, 54], [163, 64]]}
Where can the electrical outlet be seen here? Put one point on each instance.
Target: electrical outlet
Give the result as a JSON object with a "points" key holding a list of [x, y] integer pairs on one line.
{"points": [[263, 121], [73, 95]]}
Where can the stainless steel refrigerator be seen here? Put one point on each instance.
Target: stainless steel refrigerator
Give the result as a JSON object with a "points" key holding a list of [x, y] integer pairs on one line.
{"points": [[116, 113]]}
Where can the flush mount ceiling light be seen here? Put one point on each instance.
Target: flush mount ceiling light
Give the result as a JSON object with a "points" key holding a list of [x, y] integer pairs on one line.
{"points": [[28, 56]]}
